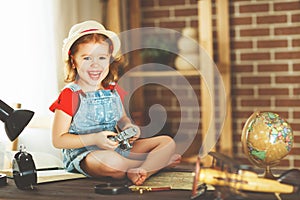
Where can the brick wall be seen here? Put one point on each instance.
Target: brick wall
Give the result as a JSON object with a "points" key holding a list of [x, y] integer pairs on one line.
{"points": [[174, 14], [265, 52]]}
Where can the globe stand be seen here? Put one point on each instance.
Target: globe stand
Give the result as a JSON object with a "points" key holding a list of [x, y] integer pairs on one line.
{"points": [[266, 139], [268, 173]]}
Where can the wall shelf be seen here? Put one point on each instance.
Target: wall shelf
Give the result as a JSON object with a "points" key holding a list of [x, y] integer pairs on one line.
{"points": [[164, 73], [205, 27]]}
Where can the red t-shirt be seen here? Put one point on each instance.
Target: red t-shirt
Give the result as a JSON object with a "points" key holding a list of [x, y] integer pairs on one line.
{"points": [[68, 100]]}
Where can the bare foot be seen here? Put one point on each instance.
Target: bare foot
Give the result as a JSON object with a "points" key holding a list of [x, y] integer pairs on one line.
{"points": [[174, 160], [137, 175]]}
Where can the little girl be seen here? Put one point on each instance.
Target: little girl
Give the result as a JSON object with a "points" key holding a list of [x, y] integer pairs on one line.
{"points": [[89, 110]]}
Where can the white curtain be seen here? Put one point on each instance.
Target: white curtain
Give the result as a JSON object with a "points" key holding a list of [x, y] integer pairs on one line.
{"points": [[32, 31], [27, 53]]}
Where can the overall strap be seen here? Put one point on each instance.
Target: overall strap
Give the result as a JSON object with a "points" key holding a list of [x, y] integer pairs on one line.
{"points": [[74, 87]]}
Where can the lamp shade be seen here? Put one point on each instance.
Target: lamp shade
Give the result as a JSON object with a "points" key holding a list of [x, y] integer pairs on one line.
{"points": [[14, 120]]}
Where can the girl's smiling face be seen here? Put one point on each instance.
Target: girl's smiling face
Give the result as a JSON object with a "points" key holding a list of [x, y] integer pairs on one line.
{"points": [[92, 62]]}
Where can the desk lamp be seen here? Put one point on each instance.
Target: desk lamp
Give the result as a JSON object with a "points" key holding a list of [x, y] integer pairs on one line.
{"points": [[15, 121]]}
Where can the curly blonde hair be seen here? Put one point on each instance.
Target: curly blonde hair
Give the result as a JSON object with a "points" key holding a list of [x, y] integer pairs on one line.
{"points": [[115, 63]]}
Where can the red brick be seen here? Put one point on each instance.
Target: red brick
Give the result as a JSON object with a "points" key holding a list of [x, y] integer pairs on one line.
{"points": [[156, 14], [273, 91], [256, 102], [254, 32], [242, 45], [148, 24], [241, 0], [254, 8], [296, 138], [297, 116], [287, 6], [296, 43], [256, 80], [243, 92], [284, 163], [242, 68], [296, 18], [296, 67], [186, 12], [178, 114], [147, 3], [240, 21], [287, 79], [296, 91], [193, 2], [242, 114], [288, 55], [172, 24], [295, 126], [151, 92], [287, 31], [193, 80], [271, 19], [297, 162], [272, 43], [255, 56], [287, 102], [171, 3], [272, 67], [194, 24]]}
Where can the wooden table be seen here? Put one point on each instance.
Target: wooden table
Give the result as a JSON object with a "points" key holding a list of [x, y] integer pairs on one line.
{"points": [[81, 189], [84, 189]]}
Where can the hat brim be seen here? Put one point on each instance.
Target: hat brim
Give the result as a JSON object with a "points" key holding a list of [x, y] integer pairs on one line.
{"points": [[109, 34]]}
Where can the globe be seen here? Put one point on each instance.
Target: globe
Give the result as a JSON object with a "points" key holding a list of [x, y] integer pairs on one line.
{"points": [[266, 139]]}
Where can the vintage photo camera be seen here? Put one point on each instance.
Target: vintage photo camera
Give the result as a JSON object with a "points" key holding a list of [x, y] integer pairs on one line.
{"points": [[123, 138]]}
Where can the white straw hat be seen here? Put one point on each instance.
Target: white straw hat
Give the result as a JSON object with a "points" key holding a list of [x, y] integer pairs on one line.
{"points": [[89, 27]]}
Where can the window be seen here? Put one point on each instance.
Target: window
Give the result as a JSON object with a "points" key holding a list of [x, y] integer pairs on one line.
{"points": [[27, 54]]}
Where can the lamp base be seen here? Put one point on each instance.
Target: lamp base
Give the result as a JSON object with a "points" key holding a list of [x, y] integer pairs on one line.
{"points": [[3, 180]]}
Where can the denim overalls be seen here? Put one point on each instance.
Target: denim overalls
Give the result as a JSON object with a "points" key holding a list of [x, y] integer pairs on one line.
{"points": [[98, 110]]}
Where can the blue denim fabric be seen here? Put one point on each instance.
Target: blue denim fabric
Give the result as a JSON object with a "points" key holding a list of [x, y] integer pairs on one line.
{"points": [[98, 110]]}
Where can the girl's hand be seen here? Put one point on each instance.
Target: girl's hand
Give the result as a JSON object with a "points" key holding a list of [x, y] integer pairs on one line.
{"points": [[125, 123], [103, 142], [138, 134]]}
